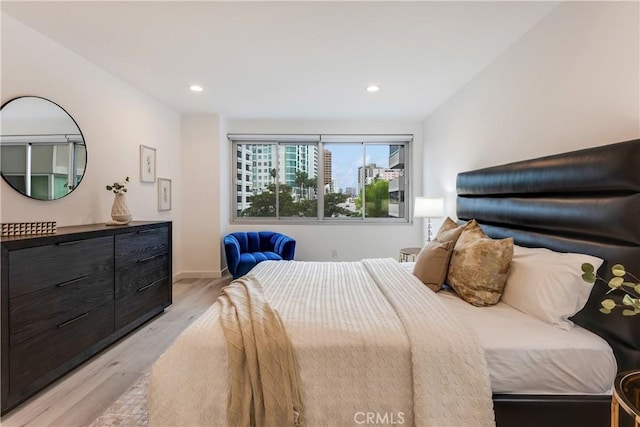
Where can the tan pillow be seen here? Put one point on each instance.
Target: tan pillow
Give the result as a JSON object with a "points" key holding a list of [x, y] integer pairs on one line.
{"points": [[478, 270], [449, 231], [470, 232], [432, 264]]}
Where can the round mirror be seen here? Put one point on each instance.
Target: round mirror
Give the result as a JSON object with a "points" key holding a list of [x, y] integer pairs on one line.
{"points": [[42, 150]]}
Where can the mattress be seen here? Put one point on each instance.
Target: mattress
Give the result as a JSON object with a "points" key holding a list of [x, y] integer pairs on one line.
{"points": [[528, 356]]}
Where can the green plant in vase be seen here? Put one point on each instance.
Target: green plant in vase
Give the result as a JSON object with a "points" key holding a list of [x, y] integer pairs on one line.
{"points": [[120, 213], [631, 300], [119, 187]]}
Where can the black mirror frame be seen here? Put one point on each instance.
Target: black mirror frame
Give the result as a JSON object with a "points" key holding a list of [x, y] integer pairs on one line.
{"points": [[81, 134]]}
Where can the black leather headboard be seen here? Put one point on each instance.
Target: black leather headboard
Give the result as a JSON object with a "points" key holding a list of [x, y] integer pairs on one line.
{"points": [[585, 201]]}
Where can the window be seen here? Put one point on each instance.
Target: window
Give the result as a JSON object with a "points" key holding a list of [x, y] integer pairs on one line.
{"points": [[364, 180], [353, 178]]}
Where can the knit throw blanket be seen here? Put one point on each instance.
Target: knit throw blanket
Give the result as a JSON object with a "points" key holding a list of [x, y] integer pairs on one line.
{"points": [[264, 379]]}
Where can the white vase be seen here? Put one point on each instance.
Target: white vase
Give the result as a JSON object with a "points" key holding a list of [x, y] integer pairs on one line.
{"points": [[119, 211]]}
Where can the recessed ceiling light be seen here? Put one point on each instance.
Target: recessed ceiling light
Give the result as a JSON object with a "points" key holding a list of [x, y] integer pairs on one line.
{"points": [[373, 88], [196, 88]]}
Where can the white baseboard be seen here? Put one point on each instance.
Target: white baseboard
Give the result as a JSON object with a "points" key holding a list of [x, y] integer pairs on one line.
{"points": [[197, 275]]}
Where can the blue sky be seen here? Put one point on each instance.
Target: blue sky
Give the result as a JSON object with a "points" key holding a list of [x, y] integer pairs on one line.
{"points": [[347, 158]]}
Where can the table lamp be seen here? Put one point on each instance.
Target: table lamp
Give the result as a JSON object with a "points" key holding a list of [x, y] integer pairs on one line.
{"points": [[426, 207]]}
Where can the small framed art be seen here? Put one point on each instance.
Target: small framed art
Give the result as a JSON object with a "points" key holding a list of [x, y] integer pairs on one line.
{"points": [[147, 164], [164, 194]]}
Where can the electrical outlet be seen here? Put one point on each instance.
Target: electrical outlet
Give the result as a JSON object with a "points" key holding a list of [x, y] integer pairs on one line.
{"points": [[334, 254]]}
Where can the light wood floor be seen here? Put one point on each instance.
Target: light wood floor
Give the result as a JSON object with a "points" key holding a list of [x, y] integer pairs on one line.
{"points": [[83, 394]]}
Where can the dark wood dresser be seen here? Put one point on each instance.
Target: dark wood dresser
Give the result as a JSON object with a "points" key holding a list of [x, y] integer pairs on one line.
{"points": [[68, 295]]}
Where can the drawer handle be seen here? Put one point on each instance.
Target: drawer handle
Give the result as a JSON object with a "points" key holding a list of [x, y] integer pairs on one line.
{"points": [[150, 285], [73, 242], [150, 257], [69, 282], [146, 231], [68, 322]]}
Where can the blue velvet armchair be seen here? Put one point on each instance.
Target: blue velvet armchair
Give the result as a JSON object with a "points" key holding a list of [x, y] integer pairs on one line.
{"points": [[246, 249]]}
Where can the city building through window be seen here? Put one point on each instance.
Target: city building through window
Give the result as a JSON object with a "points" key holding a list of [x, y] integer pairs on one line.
{"points": [[321, 177]]}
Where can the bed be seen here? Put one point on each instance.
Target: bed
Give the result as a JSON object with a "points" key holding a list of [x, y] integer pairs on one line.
{"points": [[583, 201]]}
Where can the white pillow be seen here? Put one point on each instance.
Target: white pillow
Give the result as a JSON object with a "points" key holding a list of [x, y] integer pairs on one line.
{"points": [[547, 284]]}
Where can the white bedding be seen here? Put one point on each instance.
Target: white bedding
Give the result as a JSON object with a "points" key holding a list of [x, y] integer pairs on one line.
{"points": [[528, 356], [369, 338]]}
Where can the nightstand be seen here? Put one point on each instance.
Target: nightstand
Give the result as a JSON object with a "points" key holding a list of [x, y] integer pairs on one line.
{"points": [[626, 395], [409, 254]]}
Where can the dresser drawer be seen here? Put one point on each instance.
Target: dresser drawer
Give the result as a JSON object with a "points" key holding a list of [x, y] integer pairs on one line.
{"points": [[32, 269], [38, 357], [141, 274], [153, 297], [44, 310], [132, 248]]}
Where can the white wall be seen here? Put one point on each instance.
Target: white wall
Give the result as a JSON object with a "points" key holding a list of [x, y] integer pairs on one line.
{"points": [[572, 82], [201, 196], [351, 241], [225, 165], [115, 119]]}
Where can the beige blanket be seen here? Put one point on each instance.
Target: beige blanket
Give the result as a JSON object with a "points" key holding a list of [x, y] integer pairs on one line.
{"points": [[374, 346], [264, 381]]}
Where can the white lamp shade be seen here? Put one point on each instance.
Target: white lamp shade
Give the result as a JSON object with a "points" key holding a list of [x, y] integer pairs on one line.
{"points": [[425, 207]]}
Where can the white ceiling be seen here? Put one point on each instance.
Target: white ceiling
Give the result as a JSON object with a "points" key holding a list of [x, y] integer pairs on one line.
{"points": [[294, 60]]}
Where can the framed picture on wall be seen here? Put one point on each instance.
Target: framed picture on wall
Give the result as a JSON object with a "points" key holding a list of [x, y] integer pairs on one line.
{"points": [[147, 164], [164, 194]]}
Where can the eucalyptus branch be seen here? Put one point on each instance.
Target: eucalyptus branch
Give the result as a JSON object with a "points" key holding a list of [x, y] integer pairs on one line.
{"points": [[118, 187], [633, 276], [631, 300], [624, 287]]}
